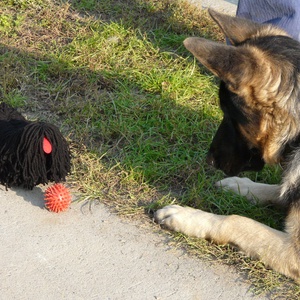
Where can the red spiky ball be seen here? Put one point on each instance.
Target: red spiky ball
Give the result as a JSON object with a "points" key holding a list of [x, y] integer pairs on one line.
{"points": [[57, 198]]}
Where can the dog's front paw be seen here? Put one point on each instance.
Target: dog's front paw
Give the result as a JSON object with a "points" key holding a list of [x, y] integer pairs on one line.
{"points": [[173, 217], [257, 193], [190, 221], [240, 186]]}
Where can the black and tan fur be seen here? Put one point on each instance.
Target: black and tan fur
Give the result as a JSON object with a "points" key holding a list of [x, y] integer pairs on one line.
{"points": [[260, 99]]}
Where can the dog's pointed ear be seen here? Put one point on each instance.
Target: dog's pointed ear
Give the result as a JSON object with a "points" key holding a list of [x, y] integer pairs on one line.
{"points": [[224, 61], [236, 29]]}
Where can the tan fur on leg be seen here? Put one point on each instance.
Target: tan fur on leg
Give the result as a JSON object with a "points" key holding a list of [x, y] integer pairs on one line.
{"points": [[274, 248]]}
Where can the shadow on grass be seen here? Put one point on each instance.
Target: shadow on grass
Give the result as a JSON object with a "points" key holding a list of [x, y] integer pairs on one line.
{"points": [[111, 113], [139, 136]]}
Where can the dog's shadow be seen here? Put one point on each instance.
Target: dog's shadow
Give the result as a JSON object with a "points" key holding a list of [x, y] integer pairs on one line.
{"points": [[34, 196]]}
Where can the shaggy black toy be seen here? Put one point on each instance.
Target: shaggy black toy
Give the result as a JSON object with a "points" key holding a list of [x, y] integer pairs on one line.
{"points": [[31, 153]]}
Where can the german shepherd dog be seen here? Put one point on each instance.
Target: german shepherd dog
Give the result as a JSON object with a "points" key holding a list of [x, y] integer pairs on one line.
{"points": [[260, 98]]}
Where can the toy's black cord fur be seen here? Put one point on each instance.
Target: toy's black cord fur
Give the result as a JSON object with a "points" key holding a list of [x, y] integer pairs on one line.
{"points": [[23, 161]]}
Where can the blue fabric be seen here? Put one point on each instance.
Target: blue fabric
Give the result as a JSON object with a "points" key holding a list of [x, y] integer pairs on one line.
{"points": [[282, 13]]}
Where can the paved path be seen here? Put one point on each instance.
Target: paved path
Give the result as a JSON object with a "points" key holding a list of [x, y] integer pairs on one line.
{"points": [[82, 254], [226, 6]]}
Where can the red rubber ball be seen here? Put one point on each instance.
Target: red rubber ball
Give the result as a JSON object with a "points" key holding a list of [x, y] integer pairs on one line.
{"points": [[57, 198]]}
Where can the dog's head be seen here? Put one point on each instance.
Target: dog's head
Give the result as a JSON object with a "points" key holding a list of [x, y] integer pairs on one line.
{"points": [[259, 93]]}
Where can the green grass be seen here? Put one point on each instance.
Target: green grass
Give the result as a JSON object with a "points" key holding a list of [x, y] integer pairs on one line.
{"points": [[138, 110]]}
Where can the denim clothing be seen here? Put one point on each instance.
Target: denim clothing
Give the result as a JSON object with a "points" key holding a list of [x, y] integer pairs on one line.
{"points": [[282, 13]]}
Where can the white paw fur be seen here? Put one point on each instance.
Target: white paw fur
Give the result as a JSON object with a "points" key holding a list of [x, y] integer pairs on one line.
{"points": [[253, 191], [190, 221]]}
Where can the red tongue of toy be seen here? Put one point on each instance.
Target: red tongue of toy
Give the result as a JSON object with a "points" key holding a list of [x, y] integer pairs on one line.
{"points": [[47, 147]]}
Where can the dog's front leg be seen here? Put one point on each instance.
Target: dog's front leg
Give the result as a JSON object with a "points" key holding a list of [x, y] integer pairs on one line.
{"points": [[257, 240], [259, 193], [190, 221]]}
